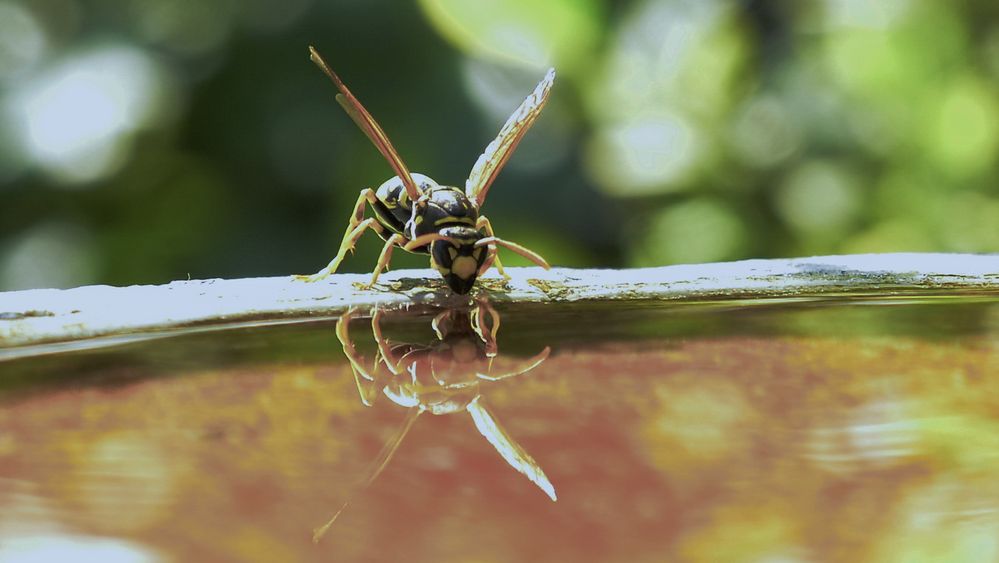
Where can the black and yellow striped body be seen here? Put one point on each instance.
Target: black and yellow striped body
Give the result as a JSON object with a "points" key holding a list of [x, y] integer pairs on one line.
{"points": [[419, 215], [394, 209], [447, 211]]}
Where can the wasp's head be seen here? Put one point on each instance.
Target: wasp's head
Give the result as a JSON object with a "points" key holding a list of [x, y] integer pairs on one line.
{"points": [[457, 258]]}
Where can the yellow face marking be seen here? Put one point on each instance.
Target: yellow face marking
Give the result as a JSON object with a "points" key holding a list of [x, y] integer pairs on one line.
{"points": [[476, 253], [453, 252], [464, 267]]}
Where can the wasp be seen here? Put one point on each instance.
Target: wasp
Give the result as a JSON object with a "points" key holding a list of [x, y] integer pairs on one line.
{"points": [[416, 213]]}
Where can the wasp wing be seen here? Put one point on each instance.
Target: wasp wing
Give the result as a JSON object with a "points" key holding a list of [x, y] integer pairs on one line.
{"points": [[377, 466], [368, 124], [498, 152], [516, 456]]}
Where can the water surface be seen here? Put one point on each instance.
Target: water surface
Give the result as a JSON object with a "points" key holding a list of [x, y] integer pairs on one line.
{"points": [[836, 429]]}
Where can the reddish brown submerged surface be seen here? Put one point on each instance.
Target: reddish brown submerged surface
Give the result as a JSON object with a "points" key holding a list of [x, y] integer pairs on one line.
{"points": [[834, 430]]}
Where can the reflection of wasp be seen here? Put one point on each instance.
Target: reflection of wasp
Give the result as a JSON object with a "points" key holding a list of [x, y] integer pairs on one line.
{"points": [[440, 378], [414, 212]]}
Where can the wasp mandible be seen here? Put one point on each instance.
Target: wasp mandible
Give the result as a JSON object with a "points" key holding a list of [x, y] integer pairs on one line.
{"points": [[416, 213]]}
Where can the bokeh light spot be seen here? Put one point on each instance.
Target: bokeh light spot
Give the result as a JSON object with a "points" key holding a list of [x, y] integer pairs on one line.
{"points": [[699, 230], [764, 133], [964, 132], [664, 91], [865, 62], [645, 156], [524, 32], [971, 224], [22, 40], [899, 235], [125, 482], [672, 55], [819, 197], [54, 254], [64, 547], [865, 14], [185, 26], [75, 117]]}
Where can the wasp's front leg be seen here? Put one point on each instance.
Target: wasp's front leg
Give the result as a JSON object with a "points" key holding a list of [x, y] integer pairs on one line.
{"points": [[486, 332], [350, 236]]}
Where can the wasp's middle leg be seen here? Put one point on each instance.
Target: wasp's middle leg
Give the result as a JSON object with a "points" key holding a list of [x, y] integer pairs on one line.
{"points": [[385, 256], [350, 236]]}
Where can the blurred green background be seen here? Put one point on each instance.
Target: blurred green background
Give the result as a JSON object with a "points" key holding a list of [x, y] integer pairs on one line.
{"points": [[143, 141]]}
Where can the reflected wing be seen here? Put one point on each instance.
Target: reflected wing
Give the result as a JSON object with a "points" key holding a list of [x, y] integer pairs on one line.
{"points": [[368, 124], [498, 152], [377, 466], [516, 456]]}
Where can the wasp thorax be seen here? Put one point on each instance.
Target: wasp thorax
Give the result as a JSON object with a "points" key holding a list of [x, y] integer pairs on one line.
{"points": [[393, 191], [457, 258]]}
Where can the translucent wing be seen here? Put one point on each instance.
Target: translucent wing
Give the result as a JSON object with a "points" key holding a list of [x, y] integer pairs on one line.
{"points": [[368, 124], [516, 456], [377, 466], [498, 152]]}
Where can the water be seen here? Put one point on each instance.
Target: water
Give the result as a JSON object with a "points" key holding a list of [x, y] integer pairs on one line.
{"points": [[838, 429]]}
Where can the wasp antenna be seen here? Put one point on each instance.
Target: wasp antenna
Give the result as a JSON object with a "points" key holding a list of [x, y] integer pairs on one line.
{"points": [[523, 251], [525, 367]]}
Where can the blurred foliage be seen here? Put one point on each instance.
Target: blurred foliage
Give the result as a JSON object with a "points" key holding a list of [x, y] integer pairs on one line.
{"points": [[143, 141]]}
